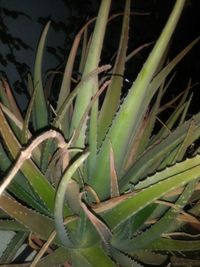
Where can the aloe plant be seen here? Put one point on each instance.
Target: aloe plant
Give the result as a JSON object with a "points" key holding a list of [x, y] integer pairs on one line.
{"points": [[92, 183]]}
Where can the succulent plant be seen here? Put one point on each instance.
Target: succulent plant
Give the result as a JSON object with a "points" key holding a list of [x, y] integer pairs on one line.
{"points": [[90, 181]]}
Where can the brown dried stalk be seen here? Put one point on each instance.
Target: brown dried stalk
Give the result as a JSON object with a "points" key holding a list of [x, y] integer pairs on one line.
{"points": [[27, 153]]}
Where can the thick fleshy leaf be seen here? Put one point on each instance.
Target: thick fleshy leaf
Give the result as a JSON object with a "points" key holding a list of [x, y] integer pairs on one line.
{"points": [[37, 180], [92, 63], [59, 256], [129, 117], [150, 257], [148, 162], [112, 98], [166, 223], [170, 179], [40, 107], [69, 99], [29, 169], [114, 187], [20, 186], [25, 130], [11, 100], [90, 257], [174, 245], [32, 220], [124, 259], [11, 225], [66, 82], [99, 225], [13, 246], [8, 101], [63, 234]]}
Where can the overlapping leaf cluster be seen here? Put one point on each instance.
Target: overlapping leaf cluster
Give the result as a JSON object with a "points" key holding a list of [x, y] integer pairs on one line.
{"points": [[90, 182]]}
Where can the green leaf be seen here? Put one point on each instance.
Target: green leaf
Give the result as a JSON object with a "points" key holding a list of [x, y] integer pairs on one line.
{"points": [[37, 180], [170, 179], [166, 129], [66, 82], [40, 107], [32, 220], [20, 186], [10, 99], [11, 225], [24, 134], [90, 257], [151, 119], [124, 259], [174, 245], [112, 98], [147, 163], [150, 257], [69, 99], [62, 231], [165, 224], [92, 63], [9, 103], [58, 256], [140, 218], [13, 246], [101, 228], [130, 114]]}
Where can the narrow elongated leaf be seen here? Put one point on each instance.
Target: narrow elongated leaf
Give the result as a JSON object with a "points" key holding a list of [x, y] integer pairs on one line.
{"points": [[92, 62], [9, 103], [184, 146], [69, 99], [14, 119], [29, 169], [92, 256], [112, 98], [129, 117], [20, 186], [11, 225], [124, 259], [63, 234], [114, 188], [100, 226], [59, 256], [139, 219], [25, 131], [13, 246], [177, 261], [40, 107], [164, 132], [146, 163], [163, 225], [35, 222], [93, 129], [37, 180], [66, 82], [174, 177], [11, 100], [174, 245], [150, 257]]}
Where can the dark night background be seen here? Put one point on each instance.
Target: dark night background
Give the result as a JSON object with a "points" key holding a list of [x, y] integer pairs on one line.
{"points": [[23, 20]]}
